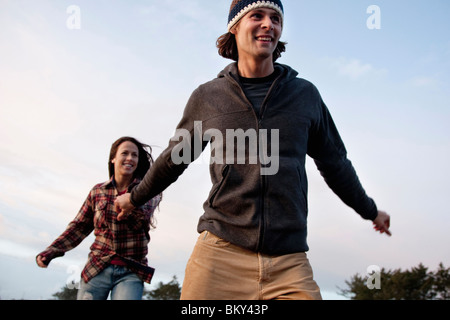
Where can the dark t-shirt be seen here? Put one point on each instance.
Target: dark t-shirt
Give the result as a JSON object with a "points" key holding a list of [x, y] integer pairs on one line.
{"points": [[256, 89]]}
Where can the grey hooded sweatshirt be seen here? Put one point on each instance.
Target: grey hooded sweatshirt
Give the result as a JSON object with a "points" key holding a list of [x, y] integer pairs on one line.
{"points": [[258, 198]]}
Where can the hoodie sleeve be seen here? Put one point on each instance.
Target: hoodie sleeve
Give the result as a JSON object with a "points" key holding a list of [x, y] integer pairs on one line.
{"points": [[327, 149], [183, 149]]}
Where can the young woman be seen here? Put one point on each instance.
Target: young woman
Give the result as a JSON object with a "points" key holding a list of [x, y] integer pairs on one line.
{"points": [[117, 263]]}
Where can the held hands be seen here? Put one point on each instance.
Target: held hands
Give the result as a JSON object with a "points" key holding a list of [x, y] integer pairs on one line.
{"points": [[123, 206], [382, 223]]}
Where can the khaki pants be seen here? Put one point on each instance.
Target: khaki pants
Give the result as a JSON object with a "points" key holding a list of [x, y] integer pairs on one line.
{"points": [[218, 270]]}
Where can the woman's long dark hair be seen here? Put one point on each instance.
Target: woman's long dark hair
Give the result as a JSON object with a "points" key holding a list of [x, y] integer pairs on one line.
{"points": [[228, 47], [145, 157]]}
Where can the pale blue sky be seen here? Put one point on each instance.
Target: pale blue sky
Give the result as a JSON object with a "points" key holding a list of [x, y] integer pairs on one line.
{"points": [[66, 95]]}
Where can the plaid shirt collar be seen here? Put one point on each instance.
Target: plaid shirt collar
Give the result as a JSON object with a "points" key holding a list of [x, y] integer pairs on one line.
{"points": [[111, 183]]}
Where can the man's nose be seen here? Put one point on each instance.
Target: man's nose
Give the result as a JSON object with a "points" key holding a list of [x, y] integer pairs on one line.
{"points": [[268, 23]]}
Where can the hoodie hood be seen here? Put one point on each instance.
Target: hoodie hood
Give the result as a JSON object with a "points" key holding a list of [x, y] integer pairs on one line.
{"points": [[287, 73]]}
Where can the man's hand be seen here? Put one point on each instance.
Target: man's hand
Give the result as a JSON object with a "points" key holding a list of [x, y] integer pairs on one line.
{"points": [[123, 206], [382, 223]]}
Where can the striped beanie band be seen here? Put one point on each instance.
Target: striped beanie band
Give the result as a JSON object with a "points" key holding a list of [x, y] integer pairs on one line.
{"points": [[239, 8]]}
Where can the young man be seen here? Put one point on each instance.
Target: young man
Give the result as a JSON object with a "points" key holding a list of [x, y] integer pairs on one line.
{"points": [[253, 231]]}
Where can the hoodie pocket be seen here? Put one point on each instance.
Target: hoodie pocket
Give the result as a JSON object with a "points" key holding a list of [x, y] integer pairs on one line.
{"points": [[225, 171]]}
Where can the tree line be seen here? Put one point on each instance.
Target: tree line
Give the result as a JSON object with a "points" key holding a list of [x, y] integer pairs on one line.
{"points": [[417, 283]]}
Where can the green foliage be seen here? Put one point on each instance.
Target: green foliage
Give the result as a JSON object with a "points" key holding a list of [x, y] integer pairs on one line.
{"points": [[168, 291], [66, 294], [415, 284]]}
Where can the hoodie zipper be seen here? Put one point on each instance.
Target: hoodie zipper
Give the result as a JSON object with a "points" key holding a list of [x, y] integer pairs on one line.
{"points": [[271, 91], [259, 118], [269, 95]]}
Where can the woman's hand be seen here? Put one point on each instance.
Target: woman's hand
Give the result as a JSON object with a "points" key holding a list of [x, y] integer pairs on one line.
{"points": [[41, 262]]}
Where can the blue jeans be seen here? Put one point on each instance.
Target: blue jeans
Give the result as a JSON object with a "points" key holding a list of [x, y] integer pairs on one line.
{"points": [[117, 280]]}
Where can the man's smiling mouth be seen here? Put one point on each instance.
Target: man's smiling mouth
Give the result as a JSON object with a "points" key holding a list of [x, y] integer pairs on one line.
{"points": [[264, 38]]}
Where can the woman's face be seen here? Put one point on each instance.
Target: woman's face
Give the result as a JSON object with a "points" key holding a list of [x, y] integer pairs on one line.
{"points": [[126, 159]]}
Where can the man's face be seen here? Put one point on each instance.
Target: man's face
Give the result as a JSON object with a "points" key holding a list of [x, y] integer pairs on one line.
{"points": [[258, 33]]}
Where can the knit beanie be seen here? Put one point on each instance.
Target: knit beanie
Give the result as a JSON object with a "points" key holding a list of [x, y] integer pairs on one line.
{"points": [[239, 8]]}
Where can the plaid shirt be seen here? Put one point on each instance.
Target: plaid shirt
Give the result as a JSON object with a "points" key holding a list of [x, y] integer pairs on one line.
{"points": [[126, 239]]}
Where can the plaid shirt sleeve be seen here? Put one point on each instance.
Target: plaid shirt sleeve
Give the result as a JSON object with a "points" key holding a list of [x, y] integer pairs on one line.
{"points": [[126, 239], [75, 233]]}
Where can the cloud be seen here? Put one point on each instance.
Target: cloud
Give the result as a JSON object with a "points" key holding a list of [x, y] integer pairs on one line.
{"points": [[424, 81], [354, 69], [15, 249], [2, 224]]}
